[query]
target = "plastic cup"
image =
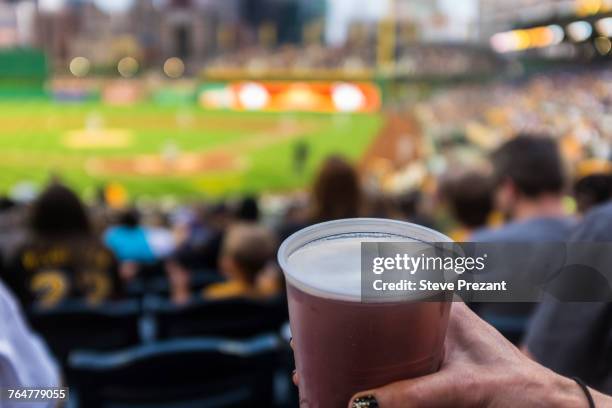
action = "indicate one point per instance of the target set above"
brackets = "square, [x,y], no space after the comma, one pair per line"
[343,345]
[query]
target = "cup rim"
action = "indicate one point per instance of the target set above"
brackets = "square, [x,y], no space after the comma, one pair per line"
[328,229]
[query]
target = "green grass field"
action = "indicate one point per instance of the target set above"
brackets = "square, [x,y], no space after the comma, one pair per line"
[181,151]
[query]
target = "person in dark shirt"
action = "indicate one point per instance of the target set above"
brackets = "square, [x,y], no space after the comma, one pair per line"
[592,190]
[529,182]
[61,258]
[202,247]
[575,338]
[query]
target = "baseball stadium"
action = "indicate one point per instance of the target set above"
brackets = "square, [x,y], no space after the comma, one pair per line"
[178,138]
[190,192]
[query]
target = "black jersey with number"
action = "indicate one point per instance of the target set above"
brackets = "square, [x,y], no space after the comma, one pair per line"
[44,273]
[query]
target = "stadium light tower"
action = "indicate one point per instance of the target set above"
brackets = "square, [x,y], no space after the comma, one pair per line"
[387,29]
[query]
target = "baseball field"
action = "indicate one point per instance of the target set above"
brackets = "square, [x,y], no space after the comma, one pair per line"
[183,151]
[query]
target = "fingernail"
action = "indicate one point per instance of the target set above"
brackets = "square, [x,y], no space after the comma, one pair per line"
[367,401]
[293,372]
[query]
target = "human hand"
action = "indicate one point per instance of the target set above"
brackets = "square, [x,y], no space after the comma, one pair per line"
[480,369]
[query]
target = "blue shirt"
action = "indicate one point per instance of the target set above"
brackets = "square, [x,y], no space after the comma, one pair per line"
[129,244]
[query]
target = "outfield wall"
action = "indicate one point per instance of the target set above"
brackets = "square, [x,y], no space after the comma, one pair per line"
[23,73]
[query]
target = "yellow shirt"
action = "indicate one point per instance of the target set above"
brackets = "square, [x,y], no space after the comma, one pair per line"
[237,288]
[222,290]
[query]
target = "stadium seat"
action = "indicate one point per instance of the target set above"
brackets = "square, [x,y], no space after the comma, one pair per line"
[157,284]
[238,318]
[199,280]
[150,270]
[76,325]
[205,372]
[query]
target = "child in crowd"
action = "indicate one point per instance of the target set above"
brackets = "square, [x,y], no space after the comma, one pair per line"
[246,262]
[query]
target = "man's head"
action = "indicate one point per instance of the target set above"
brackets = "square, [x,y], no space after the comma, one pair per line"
[469,196]
[592,190]
[527,169]
[247,248]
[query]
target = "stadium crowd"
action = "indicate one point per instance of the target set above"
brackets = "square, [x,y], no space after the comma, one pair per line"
[439,60]
[572,106]
[56,250]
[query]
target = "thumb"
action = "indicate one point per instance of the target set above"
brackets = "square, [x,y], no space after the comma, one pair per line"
[436,390]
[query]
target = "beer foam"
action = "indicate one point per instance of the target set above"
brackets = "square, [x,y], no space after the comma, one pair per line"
[332,267]
[325,259]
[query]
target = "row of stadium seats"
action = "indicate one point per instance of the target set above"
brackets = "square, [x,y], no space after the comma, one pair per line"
[152,353]
[182,373]
[159,285]
[75,325]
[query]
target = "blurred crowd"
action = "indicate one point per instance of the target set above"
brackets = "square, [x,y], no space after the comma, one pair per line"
[57,249]
[423,61]
[49,243]
[573,107]
[289,57]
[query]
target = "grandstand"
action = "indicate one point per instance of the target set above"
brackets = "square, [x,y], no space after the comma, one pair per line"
[154,155]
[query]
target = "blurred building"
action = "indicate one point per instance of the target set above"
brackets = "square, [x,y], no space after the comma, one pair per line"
[187,30]
[145,20]
[149,31]
[17,24]
[55,31]
[287,17]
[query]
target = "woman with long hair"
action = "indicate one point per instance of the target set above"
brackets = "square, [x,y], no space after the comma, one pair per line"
[61,257]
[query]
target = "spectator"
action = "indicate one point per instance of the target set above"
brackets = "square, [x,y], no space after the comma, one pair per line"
[24,360]
[470,200]
[574,338]
[528,188]
[159,235]
[248,209]
[202,247]
[592,190]
[128,240]
[410,207]
[336,194]
[246,257]
[12,217]
[61,257]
